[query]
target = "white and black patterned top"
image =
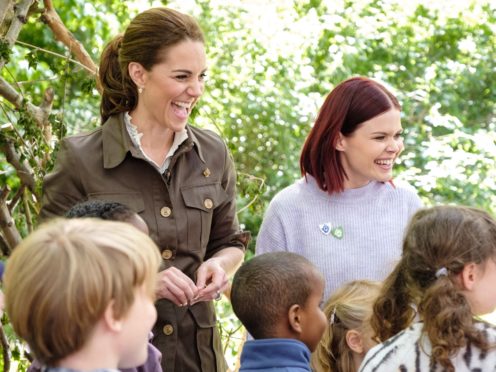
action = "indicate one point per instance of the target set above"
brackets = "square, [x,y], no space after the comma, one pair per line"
[409,351]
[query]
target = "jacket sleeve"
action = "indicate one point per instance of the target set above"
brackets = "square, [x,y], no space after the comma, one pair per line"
[225,231]
[62,187]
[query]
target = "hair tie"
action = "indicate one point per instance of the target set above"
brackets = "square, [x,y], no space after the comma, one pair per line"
[443,271]
[333,316]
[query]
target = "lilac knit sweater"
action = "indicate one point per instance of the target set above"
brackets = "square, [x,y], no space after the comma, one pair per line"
[355,234]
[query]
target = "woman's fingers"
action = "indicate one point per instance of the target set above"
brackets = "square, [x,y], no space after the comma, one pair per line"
[175,286]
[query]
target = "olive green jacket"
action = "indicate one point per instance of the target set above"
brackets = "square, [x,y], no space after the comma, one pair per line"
[190,209]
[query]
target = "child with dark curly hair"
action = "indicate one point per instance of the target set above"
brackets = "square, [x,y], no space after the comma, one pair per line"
[277,297]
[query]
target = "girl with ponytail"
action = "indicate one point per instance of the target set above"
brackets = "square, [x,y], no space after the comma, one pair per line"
[425,313]
[349,335]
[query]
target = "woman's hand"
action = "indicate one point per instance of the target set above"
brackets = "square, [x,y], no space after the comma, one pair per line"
[176,287]
[211,280]
[212,275]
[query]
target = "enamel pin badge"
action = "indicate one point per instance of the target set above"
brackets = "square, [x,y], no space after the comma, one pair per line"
[337,232]
[326,229]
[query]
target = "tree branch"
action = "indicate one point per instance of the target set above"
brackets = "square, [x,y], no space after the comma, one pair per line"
[76,62]
[24,171]
[46,108]
[39,114]
[16,198]
[252,178]
[7,225]
[5,350]
[17,100]
[62,34]
[4,247]
[20,17]
[6,6]
[27,213]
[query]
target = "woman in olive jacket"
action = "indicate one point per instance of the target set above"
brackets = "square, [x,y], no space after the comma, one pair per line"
[180,179]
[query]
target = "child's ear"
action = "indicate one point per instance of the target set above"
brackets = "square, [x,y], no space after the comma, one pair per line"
[294,318]
[469,275]
[110,320]
[341,143]
[354,341]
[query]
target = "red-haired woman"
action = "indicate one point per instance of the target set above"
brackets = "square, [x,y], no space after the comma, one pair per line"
[346,215]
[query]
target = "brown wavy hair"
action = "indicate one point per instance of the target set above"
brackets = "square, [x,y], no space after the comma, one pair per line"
[145,41]
[351,308]
[442,236]
[349,104]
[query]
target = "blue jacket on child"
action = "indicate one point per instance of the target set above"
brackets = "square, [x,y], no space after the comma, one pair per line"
[276,355]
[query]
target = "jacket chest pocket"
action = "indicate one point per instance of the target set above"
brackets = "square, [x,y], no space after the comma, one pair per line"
[201,202]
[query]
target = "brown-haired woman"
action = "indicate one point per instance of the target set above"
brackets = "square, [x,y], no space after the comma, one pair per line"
[426,309]
[180,179]
[346,215]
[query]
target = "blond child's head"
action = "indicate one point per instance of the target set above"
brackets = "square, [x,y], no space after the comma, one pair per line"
[349,335]
[68,275]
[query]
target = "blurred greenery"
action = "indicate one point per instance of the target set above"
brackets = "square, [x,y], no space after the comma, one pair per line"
[270,66]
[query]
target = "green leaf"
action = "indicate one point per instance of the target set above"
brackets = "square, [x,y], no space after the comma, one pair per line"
[32,58]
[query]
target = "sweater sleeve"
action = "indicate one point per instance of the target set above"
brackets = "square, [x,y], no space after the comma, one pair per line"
[414,201]
[410,196]
[272,236]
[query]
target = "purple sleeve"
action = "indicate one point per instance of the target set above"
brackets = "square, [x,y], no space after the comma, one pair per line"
[152,363]
[34,367]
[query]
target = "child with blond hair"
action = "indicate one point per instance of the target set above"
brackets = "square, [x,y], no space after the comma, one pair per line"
[81,294]
[349,336]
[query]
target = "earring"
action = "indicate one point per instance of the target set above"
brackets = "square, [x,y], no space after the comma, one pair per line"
[140,90]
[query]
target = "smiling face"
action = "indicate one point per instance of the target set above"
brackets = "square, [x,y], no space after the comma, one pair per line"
[172,87]
[369,152]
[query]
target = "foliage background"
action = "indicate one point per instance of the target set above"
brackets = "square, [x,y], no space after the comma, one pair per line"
[270,66]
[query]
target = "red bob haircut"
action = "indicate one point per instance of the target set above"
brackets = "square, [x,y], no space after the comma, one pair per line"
[351,103]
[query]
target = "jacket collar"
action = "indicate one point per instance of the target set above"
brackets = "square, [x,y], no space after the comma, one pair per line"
[117,143]
[193,137]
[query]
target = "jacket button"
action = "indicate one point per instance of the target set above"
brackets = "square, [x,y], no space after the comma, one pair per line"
[208,203]
[165,211]
[166,254]
[206,172]
[168,329]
